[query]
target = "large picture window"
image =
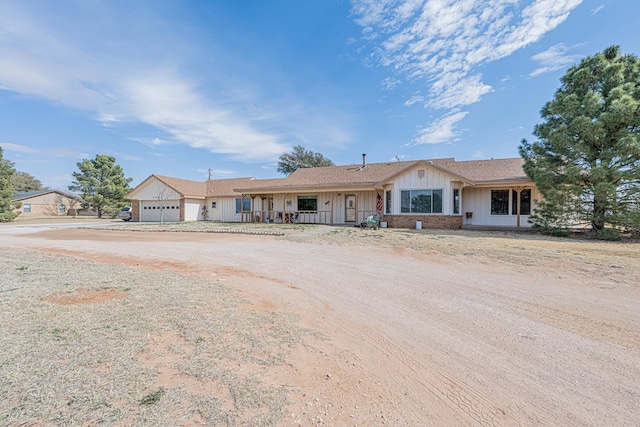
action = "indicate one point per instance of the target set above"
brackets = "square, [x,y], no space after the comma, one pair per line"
[307,203]
[243,205]
[499,202]
[421,201]
[525,202]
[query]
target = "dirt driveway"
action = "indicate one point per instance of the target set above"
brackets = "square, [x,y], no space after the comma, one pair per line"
[418,328]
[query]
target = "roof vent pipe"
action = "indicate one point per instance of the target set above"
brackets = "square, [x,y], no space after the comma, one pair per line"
[364,159]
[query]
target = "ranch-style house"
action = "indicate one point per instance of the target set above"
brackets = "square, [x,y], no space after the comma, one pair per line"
[439,193]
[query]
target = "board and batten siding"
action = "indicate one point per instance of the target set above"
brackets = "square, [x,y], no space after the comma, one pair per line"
[433,179]
[478,202]
[193,209]
[156,190]
[225,210]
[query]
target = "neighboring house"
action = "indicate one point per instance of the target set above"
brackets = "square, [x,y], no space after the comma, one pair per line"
[440,193]
[47,203]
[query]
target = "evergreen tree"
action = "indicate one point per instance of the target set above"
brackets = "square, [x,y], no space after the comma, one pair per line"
[6,190]
[23,181]
[586,161]
[301,158]
[101,184]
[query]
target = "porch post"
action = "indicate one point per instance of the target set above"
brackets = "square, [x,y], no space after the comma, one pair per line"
[333,194]
[253,208]
[518,190]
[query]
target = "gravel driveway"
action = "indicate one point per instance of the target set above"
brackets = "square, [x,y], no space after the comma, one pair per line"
[359,327]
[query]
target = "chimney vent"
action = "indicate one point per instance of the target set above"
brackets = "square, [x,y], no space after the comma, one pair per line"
[364,159]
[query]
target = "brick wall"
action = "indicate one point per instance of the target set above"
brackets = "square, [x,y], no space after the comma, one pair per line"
[428,221]
[135,210]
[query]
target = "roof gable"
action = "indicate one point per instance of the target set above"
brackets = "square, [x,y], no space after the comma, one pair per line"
[184,187]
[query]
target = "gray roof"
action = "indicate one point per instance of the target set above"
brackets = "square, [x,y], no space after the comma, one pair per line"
[33,193]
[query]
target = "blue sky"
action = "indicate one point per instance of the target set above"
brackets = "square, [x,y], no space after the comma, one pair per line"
[177,87]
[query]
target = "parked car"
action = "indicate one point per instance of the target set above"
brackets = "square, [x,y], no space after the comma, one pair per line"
[125,213]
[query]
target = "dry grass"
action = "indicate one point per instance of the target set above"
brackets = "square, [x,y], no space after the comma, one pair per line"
[515,247]
[174,350]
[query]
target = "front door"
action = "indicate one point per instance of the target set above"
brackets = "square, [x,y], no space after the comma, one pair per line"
[350,207]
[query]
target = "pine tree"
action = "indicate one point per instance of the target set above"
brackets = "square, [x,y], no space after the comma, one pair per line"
[101,184]
[7,207]
[586,161]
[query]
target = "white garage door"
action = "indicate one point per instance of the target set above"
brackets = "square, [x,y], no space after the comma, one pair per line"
[150,211]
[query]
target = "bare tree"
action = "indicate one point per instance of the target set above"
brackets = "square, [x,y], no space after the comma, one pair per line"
[162,196]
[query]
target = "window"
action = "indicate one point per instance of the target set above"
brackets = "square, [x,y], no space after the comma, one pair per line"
[214,205]
[62,208]
[421,201]
[27,208]
[243,205]
[525,202]
[499,202]
[387,206]
[456,201]
[420,173]
[307,203]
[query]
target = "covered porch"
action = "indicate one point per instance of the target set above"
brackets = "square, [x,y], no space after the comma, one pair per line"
[319,207]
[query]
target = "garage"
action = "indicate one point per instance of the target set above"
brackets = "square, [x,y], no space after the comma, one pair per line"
[155,211]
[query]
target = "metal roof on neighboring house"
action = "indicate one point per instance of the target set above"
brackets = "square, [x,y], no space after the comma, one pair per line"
[34,193]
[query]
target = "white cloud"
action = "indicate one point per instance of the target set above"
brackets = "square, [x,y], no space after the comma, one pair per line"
[442,43]
[463,92]
[442,130]
[122,84]
[553,59]
[17,148]
[389,83]
[415,98]
[597,9]
[65,152]
[215,173]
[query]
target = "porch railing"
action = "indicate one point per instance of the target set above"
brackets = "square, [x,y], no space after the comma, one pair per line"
[288,217]
[298,217]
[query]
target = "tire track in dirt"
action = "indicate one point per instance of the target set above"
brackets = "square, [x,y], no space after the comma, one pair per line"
[444,386]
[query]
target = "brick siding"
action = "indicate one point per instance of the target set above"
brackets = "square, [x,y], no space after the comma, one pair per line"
[135,210]
[428,221]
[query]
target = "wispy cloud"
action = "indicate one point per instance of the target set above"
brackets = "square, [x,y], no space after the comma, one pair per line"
[443,43]
[553,59]
[415,98]
[17,148]
[65,152]
[150,82]
[215,173]
[441,130]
